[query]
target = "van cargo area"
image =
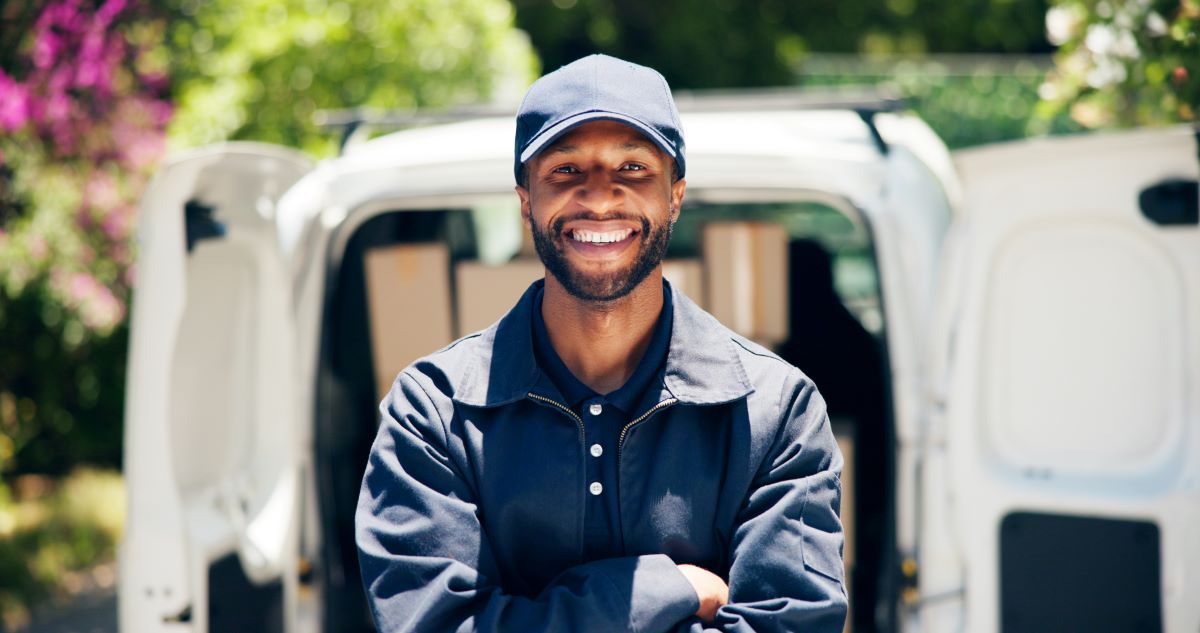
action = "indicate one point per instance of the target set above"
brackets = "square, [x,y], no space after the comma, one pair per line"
[798,276]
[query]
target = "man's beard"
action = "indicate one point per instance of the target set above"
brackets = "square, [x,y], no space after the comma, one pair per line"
[608,286]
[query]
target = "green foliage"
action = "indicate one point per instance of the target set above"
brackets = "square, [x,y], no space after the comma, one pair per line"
[51,532]
[1124,62]
[63,384]
[692,45]
[742,43]
[259,69]
[967,101]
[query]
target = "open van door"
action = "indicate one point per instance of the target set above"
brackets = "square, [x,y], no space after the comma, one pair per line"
[210,428]
[1063,488]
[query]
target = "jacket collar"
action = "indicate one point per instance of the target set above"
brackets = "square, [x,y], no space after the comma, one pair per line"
[702,364]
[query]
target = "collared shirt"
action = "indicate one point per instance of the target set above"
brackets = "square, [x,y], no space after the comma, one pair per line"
[603,418]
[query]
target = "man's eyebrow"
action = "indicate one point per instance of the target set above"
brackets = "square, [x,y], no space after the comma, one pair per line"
[563,148]
[638,145]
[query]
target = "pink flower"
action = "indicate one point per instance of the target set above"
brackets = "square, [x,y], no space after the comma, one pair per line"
[119,252]
[111,9]
[95,303]
[118,223]
[14,103]
[155,82]
[161,111]
[101,192]
[46,48]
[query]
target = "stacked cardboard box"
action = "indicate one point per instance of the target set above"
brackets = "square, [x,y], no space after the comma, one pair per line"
[408,297]
[485,293]
[746,271]
[687,275]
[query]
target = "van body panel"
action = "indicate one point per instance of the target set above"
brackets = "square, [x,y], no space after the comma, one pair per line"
[1066,393]
[210,454]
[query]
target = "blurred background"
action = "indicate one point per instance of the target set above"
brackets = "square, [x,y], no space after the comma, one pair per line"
[95,93]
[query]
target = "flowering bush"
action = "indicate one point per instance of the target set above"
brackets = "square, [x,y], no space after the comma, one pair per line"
[1124,62]
[83,113]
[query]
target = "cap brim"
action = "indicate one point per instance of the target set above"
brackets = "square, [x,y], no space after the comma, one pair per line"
[543,140]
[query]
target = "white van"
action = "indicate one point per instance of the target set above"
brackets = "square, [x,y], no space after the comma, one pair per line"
[1017,357]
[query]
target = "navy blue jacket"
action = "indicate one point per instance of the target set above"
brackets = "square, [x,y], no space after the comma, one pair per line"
[470,516]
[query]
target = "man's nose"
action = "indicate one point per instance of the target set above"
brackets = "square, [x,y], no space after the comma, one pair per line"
[600,192]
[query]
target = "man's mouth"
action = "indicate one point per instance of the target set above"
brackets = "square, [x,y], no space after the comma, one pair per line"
[600,237]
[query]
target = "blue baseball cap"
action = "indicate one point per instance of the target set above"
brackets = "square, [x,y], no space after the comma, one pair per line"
[598,87]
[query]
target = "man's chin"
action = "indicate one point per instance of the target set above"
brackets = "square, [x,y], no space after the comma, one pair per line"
[597,288]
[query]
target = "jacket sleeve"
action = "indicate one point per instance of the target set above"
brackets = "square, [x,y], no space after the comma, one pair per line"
[427,564]
[786,570]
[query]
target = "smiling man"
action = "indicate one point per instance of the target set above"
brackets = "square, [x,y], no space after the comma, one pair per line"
[607,457]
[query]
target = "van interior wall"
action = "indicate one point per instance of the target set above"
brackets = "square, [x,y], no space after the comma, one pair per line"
[825,338]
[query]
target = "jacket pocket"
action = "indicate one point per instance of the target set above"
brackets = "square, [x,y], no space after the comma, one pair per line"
[821,528]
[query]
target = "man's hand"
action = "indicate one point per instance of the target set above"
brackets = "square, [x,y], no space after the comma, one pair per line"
[713,591]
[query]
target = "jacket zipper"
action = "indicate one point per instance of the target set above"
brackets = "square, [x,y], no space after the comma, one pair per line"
[565,409]
[656,408]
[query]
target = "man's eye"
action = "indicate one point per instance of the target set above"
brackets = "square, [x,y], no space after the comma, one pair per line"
[564,169]
[634,167]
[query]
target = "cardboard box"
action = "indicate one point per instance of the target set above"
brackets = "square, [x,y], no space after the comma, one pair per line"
[746,272]
[408,298]
[688,276]
[485,293]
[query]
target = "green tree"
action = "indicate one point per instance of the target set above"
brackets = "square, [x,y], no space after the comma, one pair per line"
[259,69]
[742,43]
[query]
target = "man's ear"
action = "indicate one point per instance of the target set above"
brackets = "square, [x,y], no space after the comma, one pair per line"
[523,196]
[677,189]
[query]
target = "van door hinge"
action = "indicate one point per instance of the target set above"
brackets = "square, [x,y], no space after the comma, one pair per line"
[910,594]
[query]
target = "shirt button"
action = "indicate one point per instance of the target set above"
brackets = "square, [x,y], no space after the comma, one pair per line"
[595,409]
[596,488]
[597,450]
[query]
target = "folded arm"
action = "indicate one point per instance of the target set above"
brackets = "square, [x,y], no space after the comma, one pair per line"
[786,569]
[427,564]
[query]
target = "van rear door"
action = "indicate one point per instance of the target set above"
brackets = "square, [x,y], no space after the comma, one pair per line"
[211,400]
[1063,489]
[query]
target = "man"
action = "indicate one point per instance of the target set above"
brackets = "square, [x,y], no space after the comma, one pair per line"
[607,457]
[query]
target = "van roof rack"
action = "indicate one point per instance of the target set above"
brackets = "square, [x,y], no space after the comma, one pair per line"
[867,101]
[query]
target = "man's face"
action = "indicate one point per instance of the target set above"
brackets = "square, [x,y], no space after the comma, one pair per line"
[600,202]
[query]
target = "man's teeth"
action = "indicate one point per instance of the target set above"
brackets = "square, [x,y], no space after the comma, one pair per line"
[597,237]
